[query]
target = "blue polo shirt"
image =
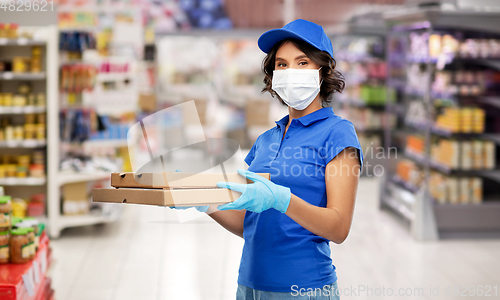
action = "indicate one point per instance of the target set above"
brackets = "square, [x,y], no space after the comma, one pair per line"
[278,252]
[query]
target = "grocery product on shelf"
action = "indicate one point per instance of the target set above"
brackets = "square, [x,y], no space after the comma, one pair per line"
[415,144]
[409,172]
[19,207]
[36,205]
[23,165]
[24,64]
[30,232]
[5,212]
[20,249]
[465,154]
[455,190]
[25,96]
[4,247]
[461,120]
[77,78]
[9,30]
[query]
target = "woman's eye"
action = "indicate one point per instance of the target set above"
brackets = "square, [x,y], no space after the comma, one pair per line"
[281,65]
[303,63]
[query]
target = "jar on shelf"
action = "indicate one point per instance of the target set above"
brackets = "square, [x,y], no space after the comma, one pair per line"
[36,229]
[3,31]
[23,160]
[7,99]
[40,99]
[37,170]
[19,64]
[36,65]
[19,207]
[5,213]
[20,249]
[40,131]
[41,118]
[9,133]
[23,88]
[29,131]
[12,31]
[4,247]
[31,99]
[2,171]
[11,170]
[18,133]
[22,171]
[29,119]
[30,232]
[19,100]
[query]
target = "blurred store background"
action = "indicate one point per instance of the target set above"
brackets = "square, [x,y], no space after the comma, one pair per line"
[422,89]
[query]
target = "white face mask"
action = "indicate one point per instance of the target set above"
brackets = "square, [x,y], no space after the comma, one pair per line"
[297,87]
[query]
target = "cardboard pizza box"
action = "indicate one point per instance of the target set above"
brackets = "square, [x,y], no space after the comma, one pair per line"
[176,180]
[166,197]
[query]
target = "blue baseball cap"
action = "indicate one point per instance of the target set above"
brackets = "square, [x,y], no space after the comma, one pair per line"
[299,29]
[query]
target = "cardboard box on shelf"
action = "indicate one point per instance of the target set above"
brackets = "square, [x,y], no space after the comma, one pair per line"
[75,199]
[147,102]
[176,180]
[257,112]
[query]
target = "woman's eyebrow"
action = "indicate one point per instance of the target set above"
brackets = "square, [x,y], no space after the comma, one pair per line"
[279,58]
[301,57]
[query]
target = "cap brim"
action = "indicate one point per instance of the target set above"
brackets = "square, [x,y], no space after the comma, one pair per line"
[268,39]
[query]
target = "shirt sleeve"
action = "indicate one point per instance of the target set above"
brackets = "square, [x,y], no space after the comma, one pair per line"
[251,154]
[340,136]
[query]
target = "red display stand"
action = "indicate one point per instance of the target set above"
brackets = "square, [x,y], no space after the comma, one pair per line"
[28,281]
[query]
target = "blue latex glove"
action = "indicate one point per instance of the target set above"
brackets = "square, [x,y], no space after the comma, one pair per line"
[262,195]
[203,208]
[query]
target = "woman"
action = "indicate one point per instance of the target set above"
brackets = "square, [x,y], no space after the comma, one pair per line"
[314,158]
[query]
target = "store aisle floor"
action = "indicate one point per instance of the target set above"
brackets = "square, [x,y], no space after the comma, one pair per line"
[148,254]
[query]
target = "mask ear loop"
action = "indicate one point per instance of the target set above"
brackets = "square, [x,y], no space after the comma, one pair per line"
[321,78]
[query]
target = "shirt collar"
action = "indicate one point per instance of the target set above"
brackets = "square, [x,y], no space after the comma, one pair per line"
[311,118]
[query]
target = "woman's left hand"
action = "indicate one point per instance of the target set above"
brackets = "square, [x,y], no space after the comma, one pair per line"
[259,196]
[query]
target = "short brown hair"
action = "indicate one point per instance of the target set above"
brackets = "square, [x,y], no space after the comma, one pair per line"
[333,81]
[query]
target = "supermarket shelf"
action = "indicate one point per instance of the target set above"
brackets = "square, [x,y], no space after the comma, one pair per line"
[22,181]
[419,158]
[72,177]
[479,217]
[490,174]
[9,110]
[368,130]
[398,207]
[23,144]
[21,42]
[408,186]
[361,103]
[114,76]
[493,101]
[493,174]
[21,76]
[448,133]
[418,126]
[67,221]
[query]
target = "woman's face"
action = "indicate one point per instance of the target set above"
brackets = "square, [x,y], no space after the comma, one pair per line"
[289,56]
